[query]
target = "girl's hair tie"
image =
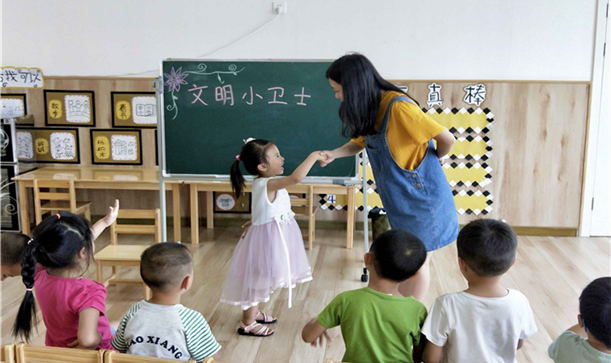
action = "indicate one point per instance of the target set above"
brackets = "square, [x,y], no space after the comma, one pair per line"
[30,290]
[31,240]
[237,157]
[249,140]
[58,216]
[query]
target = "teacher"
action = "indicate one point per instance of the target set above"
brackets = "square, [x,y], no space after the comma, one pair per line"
[398,137]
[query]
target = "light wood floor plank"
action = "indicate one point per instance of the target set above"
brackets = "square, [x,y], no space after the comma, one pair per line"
[551,272]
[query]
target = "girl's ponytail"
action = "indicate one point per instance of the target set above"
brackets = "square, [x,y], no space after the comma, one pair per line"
[26,317]
[237,179]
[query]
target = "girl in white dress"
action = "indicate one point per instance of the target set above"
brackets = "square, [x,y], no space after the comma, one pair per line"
[271,252]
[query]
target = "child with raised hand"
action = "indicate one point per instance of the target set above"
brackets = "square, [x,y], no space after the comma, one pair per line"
[271,254]
[590,340]
[487,322]
[13,244]
[73,308]
[161,327]
[379,324]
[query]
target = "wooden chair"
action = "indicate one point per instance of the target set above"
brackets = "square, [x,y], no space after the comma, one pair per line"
[114,357]
[305,207]
[58,201]
[329,360]
[7,354]
[41,354]
[117,255]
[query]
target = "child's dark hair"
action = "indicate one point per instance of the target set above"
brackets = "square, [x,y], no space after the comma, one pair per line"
[252,154]
[361,84]
[55,243]
[487,246]
[595,309]
[397,254]
[165,265]
[12,246]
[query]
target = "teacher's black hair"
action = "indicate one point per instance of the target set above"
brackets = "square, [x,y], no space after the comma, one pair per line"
[595,309]
[55,243]
[361,85]
[252,154]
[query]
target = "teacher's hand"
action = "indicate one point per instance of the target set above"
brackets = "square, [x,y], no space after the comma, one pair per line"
[329,157]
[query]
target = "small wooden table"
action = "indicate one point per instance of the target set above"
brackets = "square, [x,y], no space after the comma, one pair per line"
[118,178]
[224,186]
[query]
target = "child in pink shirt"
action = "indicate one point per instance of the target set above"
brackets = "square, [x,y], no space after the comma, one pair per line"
[72,307]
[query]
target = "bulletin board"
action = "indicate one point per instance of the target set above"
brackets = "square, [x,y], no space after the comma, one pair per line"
[74,108]
[44,145]
[116,147]
[134,109]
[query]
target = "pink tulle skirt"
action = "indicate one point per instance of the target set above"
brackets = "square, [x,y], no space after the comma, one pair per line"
[263,261]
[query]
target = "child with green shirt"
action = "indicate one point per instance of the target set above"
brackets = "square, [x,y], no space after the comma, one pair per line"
[379,324]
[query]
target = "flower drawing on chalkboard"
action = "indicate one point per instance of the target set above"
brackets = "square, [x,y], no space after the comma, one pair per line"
[175,79]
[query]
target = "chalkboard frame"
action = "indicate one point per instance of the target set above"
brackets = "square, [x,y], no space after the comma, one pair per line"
[350,180]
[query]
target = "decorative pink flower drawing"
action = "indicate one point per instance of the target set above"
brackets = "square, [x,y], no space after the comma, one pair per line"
[175,79]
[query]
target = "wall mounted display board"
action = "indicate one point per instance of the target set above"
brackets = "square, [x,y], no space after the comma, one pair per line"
[134,109]
[116,147]
[74,108]
[44,145]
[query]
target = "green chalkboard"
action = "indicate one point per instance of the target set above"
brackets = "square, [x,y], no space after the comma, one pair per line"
[210,107]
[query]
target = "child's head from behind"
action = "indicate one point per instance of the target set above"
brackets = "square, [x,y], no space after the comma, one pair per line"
[12,246]
[167,266]
[260,158]
[61,241]
[396,255]
[487,247]
[595,310]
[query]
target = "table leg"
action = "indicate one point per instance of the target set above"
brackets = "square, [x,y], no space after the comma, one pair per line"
[176,211]
[210,210]
[24,210]
[351,213]
[194,215]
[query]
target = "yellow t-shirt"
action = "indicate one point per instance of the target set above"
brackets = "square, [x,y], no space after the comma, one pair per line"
[408,132]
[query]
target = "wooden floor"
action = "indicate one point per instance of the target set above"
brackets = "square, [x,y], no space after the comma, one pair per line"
[551,272]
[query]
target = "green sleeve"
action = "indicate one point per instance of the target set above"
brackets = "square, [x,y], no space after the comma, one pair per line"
[331,315]
[200,341]
[118,341]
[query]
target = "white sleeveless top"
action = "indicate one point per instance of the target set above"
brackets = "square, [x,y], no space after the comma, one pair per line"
[262,210]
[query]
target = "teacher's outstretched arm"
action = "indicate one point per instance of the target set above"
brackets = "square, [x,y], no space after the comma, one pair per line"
[445,141]
[348,149]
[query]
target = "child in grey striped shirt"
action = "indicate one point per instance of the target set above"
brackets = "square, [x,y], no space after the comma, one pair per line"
[161,327]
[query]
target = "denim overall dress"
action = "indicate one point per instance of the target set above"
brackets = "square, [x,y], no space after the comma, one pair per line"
[418,200]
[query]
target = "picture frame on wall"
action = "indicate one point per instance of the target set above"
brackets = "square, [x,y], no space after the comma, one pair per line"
[22,99]
[45,145]
[116,147]
[134,109]
[73,108]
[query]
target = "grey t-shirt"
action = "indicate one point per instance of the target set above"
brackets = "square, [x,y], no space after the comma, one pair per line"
[162,331]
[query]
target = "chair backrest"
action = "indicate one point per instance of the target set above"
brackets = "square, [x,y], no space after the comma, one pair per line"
[70,195]
[40,354]
[7,354]
[114,357]
[117,228]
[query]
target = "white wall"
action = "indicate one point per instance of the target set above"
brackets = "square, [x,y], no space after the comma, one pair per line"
[405,39]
